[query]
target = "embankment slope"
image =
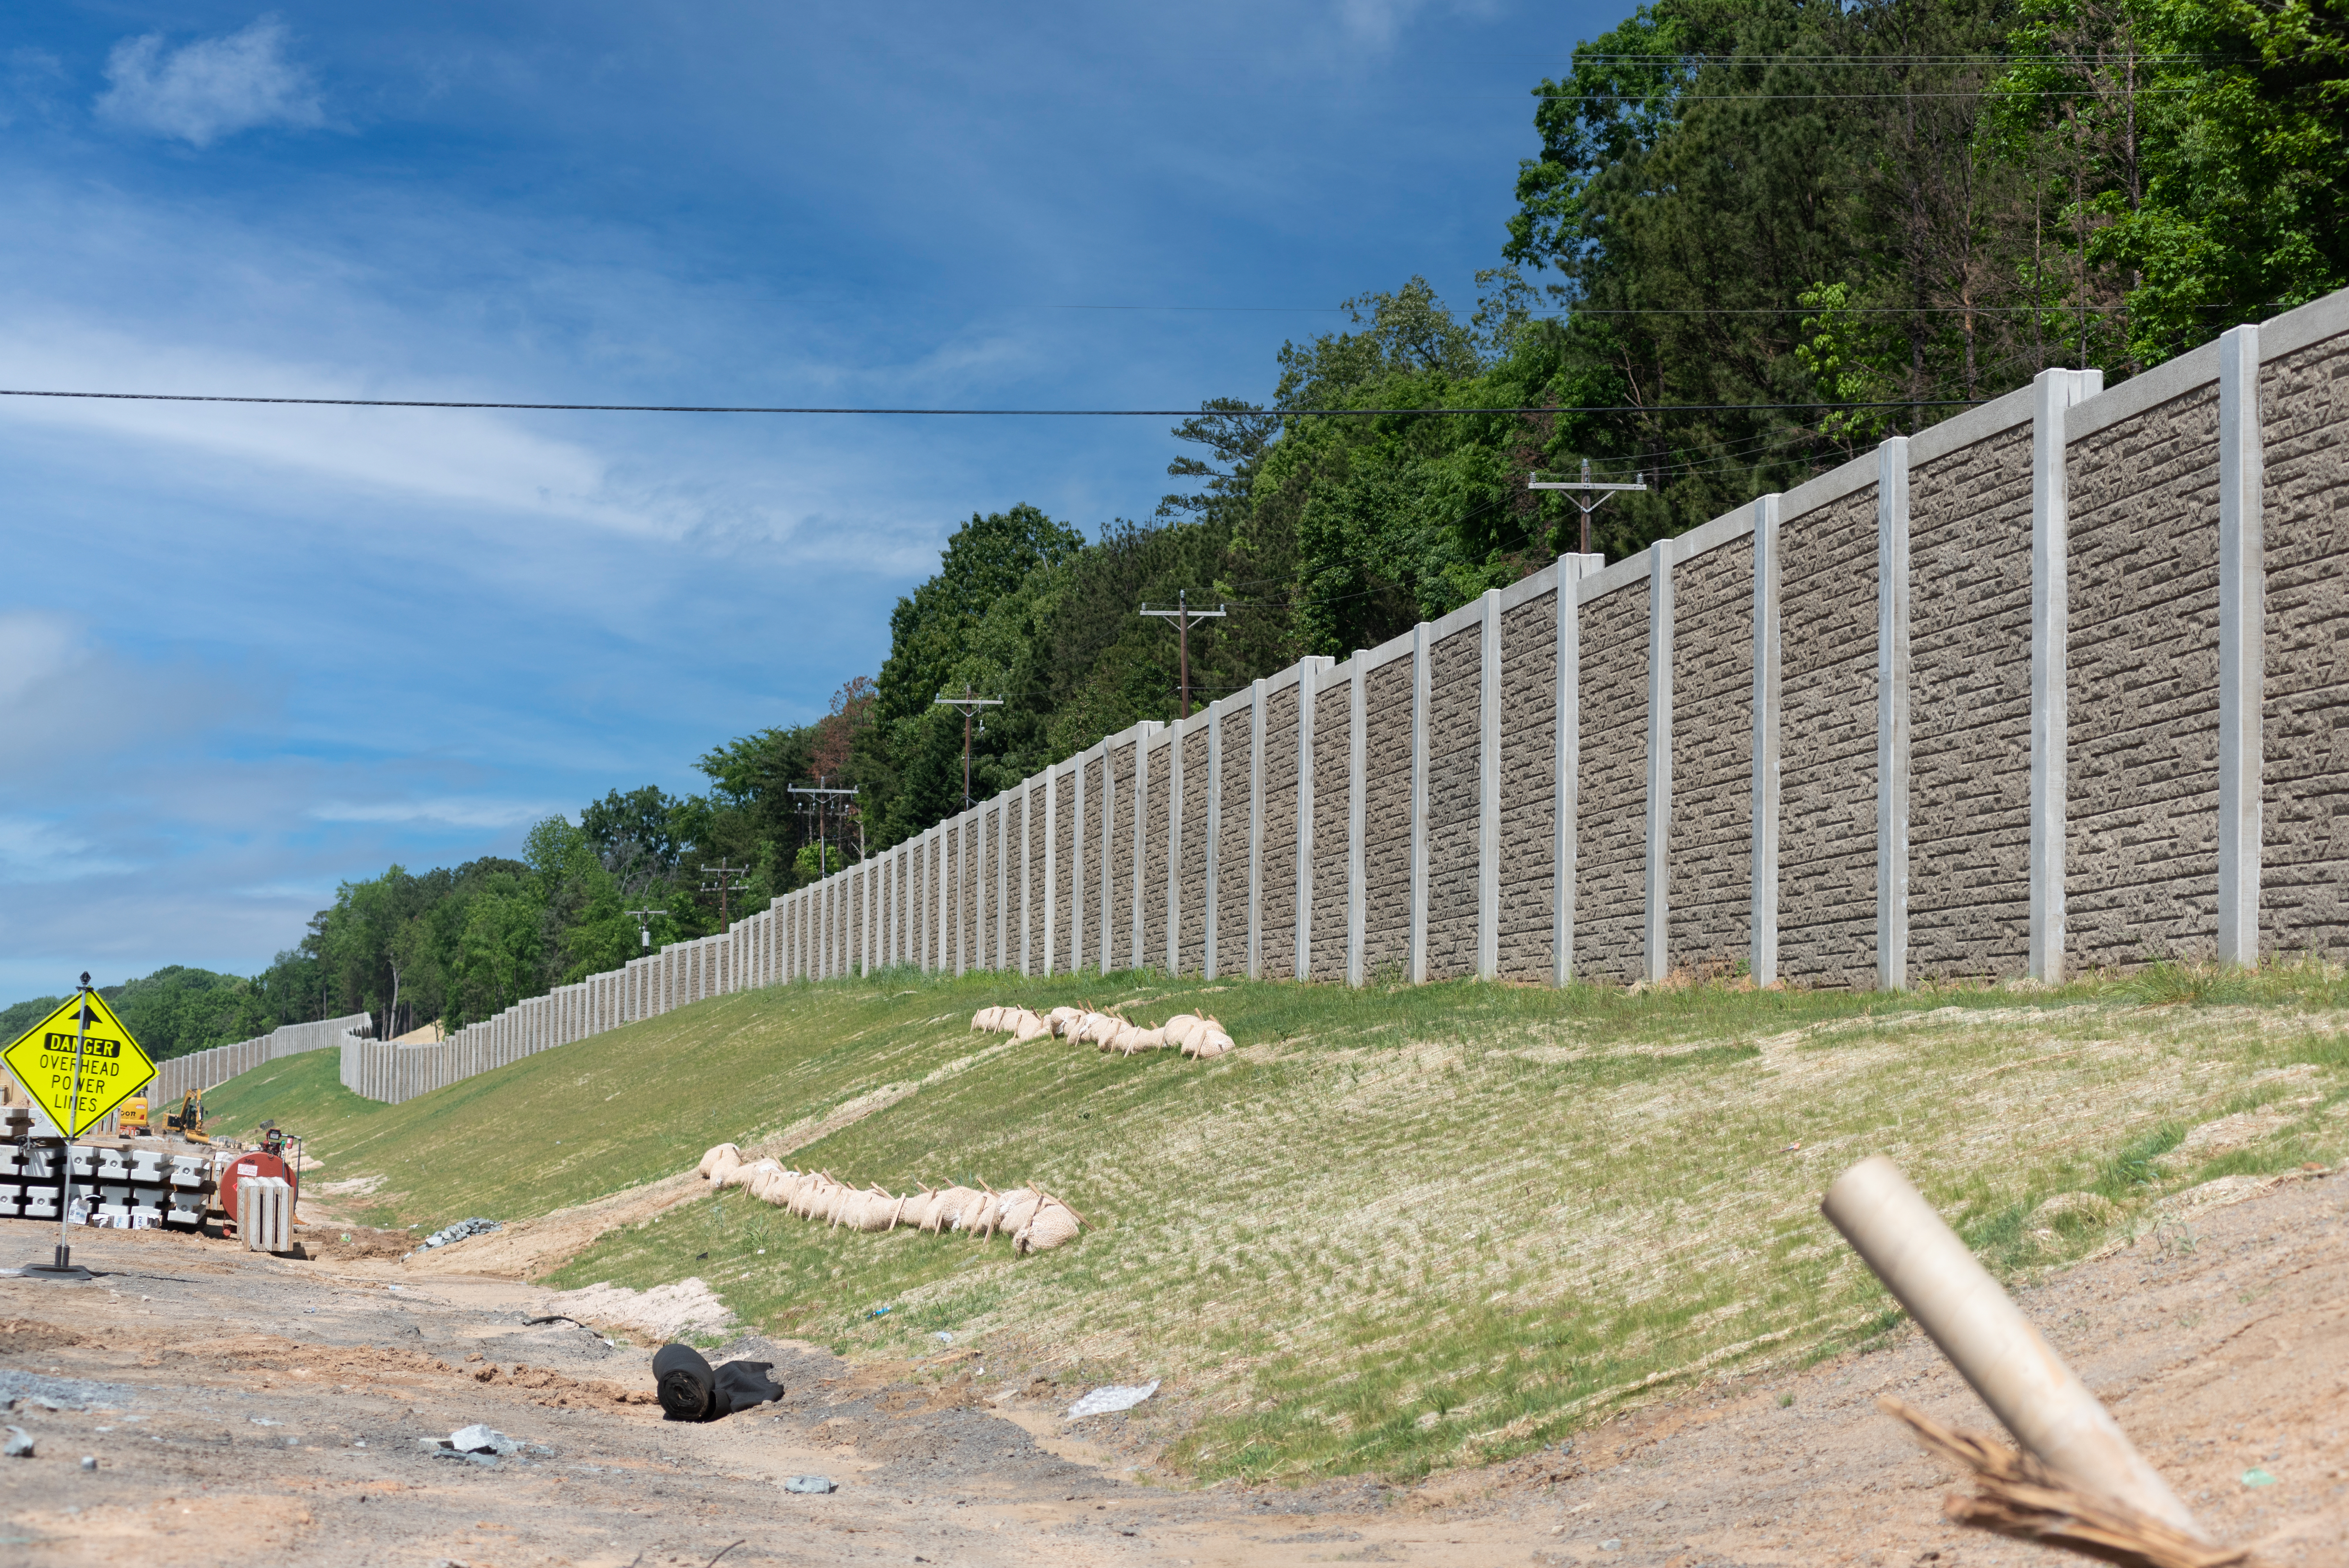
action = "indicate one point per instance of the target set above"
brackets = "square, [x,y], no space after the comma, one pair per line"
[1398,1228]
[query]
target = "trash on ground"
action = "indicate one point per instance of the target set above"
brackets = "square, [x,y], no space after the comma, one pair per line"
[19,1445]
[2255,1476]
[817,1483]
[457,1233]
[89,1461]
[61,1393]
[1101,1401]
[479,1438]
[943,1336]
[690,1389]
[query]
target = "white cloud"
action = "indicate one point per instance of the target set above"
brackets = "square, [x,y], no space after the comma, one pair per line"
[1377,22]
[448,811]
[210,89]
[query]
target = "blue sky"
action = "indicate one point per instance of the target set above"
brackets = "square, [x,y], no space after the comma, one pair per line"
[247,654]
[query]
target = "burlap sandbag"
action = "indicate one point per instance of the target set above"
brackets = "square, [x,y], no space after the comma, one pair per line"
[725,1151]
[1209,1039]
[1027,1025]
[754,1176]
[1178,1029]
[879,1212]
[1064,1019]
[983,1019]
[947,1207]
[921,1207]
[1050,1223]
[1019,1208]
[980,1217]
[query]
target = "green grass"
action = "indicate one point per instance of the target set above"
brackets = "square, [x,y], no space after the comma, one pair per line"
[1403,1227]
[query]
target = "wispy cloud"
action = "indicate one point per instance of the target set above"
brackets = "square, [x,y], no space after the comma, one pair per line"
[454,811]
[210,89]
[1379,22]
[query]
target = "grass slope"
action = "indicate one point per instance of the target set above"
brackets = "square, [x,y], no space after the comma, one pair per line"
[1400,1227]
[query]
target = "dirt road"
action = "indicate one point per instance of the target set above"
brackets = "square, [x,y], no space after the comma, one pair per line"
[243,1407]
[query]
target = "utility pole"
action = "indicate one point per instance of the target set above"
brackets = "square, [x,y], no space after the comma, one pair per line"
[728,878]
[1590,496]
[644,923]
[970,706]
[1182,615]
[816,804]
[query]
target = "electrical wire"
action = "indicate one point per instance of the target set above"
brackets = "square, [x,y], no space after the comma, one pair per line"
[979,413]
[1679,97]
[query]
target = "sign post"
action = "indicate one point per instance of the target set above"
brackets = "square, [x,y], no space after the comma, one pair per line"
[76,1079]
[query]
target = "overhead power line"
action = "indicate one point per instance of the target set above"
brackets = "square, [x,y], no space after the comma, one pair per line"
[1663,59]
[988,413]
[1680,98]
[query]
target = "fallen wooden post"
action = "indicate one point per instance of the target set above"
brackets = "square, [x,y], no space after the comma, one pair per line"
[2026,1385]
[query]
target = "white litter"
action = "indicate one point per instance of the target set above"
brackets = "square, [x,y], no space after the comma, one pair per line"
[1101,1401]
[479,1438]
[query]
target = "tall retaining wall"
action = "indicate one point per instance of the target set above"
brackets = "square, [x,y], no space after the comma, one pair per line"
[200,1070]
[2049,685]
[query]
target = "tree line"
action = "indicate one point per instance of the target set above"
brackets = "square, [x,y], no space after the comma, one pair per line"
[1751,240]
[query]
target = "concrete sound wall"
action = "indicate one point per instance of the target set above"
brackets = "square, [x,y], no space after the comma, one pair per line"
[200,1070]
[2050,685]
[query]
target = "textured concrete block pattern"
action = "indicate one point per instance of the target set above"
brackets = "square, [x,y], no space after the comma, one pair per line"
[1064,873]
[1276,947]
[1333,767]
[1709,857]
[1610,872]
[1191,951]
[1232,847]
[1089,861]
[1454,800]
[1038,847]
[1117,920]
[1970,710]
[2141,844]
[2304,815]
[1386,819]
[1826,774]
[1155,852]
[1528,787]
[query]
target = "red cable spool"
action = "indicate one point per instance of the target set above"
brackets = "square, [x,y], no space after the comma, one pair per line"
[257,1163]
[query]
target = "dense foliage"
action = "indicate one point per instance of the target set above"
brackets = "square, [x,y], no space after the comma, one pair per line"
[1755,237]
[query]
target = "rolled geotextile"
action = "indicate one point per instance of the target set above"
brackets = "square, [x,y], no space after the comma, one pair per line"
[2017,1373]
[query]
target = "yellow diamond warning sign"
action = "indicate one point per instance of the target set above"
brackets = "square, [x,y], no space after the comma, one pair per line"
[112,1066]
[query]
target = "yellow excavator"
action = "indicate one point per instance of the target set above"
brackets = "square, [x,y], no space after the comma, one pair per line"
[187,1121]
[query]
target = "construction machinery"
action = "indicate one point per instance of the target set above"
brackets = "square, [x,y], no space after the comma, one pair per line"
[131,1119]
[187,1121]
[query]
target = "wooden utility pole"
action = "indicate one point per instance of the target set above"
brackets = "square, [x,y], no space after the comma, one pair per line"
[1589,497]
[727,879]
[816,803]
[970,706]
[1182,615]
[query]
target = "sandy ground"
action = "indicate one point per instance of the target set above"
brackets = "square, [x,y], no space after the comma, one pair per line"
[241,1407]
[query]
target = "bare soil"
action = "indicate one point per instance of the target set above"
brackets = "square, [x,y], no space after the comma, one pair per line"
[250,1407]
